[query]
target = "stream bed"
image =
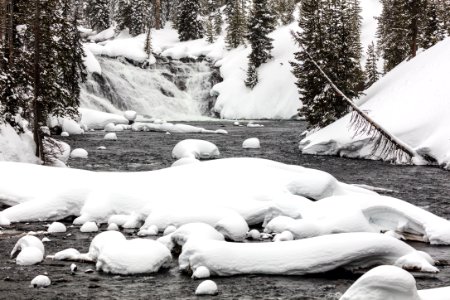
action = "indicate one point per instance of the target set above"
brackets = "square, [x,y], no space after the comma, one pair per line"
[427,187]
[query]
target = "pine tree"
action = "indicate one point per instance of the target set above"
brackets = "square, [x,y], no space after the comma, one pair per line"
[209,28]
[98,14]
[261,23]
[371,69]
[432,30]
[218,22]
[123,15]
[188,23]
[252,76]
[140,14]
[236,30]
[285,10]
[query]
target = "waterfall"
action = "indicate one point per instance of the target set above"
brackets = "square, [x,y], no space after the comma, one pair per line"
[170,89]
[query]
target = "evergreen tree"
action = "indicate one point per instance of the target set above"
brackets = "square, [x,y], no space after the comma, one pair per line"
[236,30]
[140,15]
[188,23]
[261,23]
[284,10]
[218,22]
[433,29]
[123,15]
[371,69]
[98,14]
[209,28]
[252,76]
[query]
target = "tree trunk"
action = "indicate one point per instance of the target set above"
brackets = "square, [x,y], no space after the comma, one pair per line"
[37,105]
[157,14]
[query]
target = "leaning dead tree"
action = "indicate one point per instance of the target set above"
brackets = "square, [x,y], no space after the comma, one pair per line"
[384,144]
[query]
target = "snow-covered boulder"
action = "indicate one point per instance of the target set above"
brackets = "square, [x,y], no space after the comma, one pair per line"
[390,282]
[185,161]
[110,137]
[56,227]
[41,281]
[111,127]
[97,120]
[396,102]
[201,273]
[67,254]
[29,251]
[79,153]
[252,143]
[130,115]
[113,227]
[138,256]
[65,134]
[207,287]
[198,149]
[309,256]
[89,227]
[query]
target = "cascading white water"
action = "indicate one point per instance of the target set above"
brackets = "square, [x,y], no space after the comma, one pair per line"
[171,90]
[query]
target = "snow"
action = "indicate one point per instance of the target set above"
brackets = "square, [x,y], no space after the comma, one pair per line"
[185,161]
[198,149]
[56,227]
[103,240]
[254,234]
[40,281]
[207,287]
[111,127]
[91,63]
[98,120]
[110,136]
[136,256]
[89,227]
[390,282]
[284,236]
[113,227]
[256,188]
[79,153]
[171,128]
[169,229]
[201,273]
[67,254]
[130,115]
[397,103]
[65,134]
[67,125]
[14,147]
[30,251]
[252,143]
[103,35]
[309,256]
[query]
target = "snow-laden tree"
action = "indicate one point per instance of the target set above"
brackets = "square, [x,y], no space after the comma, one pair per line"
[433,29]
[371,67]
[218,22]
[134,15]
[97,13]
[261,23]
[284,10]
[236,30]
[188,20]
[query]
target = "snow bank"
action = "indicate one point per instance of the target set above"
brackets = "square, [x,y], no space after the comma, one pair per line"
[309,256]
[411,102]
[29,251]
[389,282]
[14,147]
[97,120]
[197,149]
[136,256]
[171,128]
[257,187]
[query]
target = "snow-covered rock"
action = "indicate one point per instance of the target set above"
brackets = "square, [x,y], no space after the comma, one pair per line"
[89,227]
[41,281]
[136,256]
[79,153]
[67,254]
[198,149]
[45,239]
[73,268]
[169,229]
[309,256]
[29,251]
[65,134]
[93,119]
[201,273]
[130,115]
[111,127]
[283,237]
[254,234]
[110,136]
[396,102]
[207,287]
[56,227]
[113,227]
[390,282]
[252,143]
[185,161]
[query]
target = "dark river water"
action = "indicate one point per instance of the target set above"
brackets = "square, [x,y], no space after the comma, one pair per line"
[427,187]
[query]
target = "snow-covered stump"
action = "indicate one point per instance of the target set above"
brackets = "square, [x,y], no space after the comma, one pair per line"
[198,149]
[309,256]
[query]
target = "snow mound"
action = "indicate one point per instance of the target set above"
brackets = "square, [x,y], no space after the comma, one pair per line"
[198,149]
[40,281]
[79,153]
[56,227]
[252,143]
[201,273]
[67,254]
[110,137]
[113,227]
[136,256]
[14,147]
[170,128]
[207,287]
[396,102]
[89,227]
[97,120]
[309,256]
[30,251]
[390,282]
[130,115]
[111,127]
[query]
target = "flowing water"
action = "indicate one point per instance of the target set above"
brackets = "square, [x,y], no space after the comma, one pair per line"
[427,187]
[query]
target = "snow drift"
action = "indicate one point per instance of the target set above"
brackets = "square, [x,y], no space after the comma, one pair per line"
[411,102]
